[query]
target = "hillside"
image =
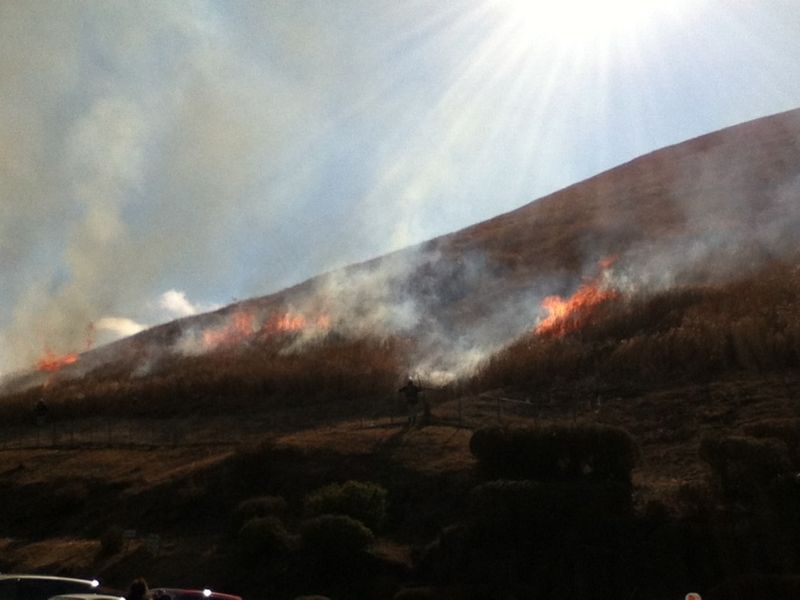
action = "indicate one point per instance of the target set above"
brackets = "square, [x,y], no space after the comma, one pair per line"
[707,211]
[656,304]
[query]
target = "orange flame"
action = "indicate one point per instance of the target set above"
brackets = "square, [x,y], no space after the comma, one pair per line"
[242,327]
[567,315]
[291,322]
[236,331]
[52,363]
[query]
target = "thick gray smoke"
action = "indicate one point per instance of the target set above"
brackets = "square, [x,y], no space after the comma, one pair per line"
[213,150]
[132,137]
[157,158]
[737,194]
[455,309]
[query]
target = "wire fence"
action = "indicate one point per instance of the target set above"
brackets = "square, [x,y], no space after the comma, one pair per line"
[468,412]
[84,433]
[190,430]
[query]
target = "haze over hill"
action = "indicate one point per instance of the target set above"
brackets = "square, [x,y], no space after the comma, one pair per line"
[706,211]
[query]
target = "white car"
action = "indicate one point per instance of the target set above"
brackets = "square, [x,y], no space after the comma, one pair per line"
[87,597]
[43,587]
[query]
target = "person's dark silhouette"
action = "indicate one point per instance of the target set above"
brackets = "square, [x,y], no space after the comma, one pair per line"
[137,590]
[40,412]
[411,391]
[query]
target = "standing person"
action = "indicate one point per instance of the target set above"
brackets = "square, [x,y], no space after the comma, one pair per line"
[137,590]
[411,392]
[40,412]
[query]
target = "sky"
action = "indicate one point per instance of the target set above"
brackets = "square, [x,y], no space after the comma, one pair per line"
[160,159]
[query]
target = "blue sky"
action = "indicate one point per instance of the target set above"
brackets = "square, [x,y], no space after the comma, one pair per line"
[162,158]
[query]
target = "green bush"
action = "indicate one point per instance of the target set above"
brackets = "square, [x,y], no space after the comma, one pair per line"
[518,504]
[335,537]
[262,506]
[527,532]
[556,453]
[364,501]
[264,539]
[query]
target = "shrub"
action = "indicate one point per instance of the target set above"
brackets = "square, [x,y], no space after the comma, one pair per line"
[517,504]
[264,538]
[524,531]
[418,593]
[112,541]
[335,537]
[262,506]
[505,515]
[785,430]
[556,453]
[743,466]
[694,500]
[784,496]
[757,586]
[487,444]
[364,501]
[70,496]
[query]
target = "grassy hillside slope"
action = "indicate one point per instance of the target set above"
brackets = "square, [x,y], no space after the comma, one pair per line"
[694,351]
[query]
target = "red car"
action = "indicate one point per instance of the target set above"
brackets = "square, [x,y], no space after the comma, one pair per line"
[179,594]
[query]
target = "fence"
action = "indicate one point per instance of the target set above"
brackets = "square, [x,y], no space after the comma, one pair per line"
[192,430]
[96,432]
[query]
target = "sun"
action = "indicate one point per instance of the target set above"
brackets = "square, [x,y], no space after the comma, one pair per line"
[582,23]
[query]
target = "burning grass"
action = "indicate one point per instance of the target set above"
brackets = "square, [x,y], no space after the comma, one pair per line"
[570,315]
[680,334]
[252,378]
[52,363]
[602,337]
[597,335]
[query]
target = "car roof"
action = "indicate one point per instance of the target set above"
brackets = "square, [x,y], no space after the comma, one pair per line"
[87,596]
[91,582]
[211,593]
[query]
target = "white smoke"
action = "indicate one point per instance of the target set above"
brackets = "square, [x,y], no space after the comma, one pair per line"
[176,304]
[129,152]
[119,327]
[216,150]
